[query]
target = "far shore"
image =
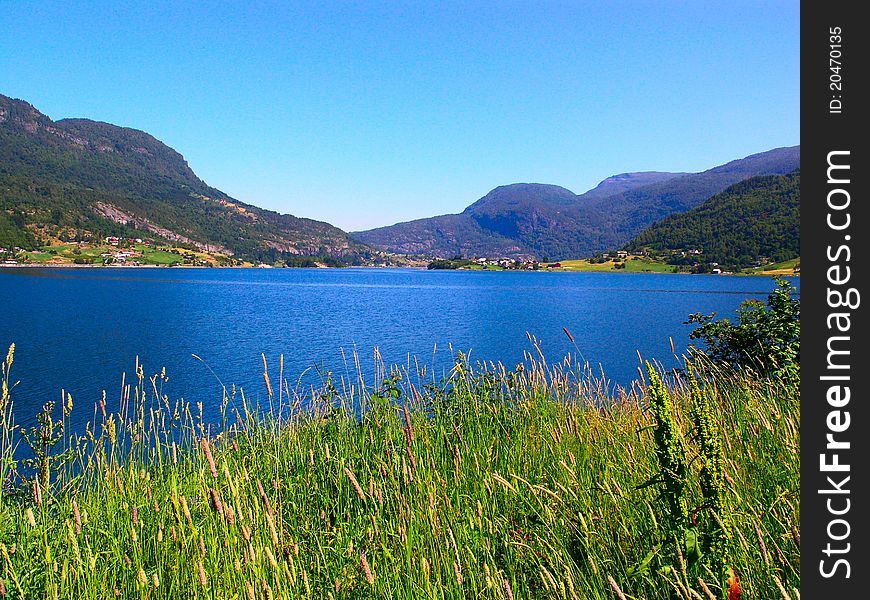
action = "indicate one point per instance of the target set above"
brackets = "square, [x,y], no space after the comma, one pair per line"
[770,273]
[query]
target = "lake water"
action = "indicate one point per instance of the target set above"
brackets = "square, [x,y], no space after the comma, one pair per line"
[80,329]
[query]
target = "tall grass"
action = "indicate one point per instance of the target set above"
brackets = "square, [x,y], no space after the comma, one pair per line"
[491,483]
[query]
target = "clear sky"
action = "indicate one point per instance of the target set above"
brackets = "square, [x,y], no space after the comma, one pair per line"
[368,113]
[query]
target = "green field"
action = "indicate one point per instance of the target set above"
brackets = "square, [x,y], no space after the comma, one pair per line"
[72,253]
[530,482]
[632,265]
[788,267]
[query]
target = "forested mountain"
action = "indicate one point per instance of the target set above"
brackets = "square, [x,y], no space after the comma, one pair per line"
[754,221]
[79,177]
[524,220]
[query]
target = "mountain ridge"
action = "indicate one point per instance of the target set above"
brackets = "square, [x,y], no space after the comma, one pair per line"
[750,223]
[82,175]
[549,221]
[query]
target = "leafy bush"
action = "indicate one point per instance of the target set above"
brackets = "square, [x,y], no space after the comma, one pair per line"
[766,337]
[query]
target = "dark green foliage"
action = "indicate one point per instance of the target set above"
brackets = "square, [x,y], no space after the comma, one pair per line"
[696,531]
[12,231]
[45,442]
[757,219]
[712,482]
[447,264]
[312,261]
[671,456]
[766,337]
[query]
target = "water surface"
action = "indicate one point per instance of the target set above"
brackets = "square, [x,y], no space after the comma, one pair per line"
[80,329]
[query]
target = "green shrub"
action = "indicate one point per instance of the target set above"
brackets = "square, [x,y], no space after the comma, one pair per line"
[765,338]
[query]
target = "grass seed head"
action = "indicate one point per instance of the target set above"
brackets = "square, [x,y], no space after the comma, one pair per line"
[185,509]
[216,503]
[367,570]
[203,580]
[507,589]
[77,517]
[208,456]
[355,483]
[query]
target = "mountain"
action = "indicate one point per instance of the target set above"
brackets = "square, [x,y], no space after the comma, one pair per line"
[528,219]
[624,182]
[632,211]
[752,221]
[88,178]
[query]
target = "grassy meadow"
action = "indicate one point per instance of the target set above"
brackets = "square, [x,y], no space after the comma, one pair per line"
[68,253]
[787,267]
[530,482]
[634,264]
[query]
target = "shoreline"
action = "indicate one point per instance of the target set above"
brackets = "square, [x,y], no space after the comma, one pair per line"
[620,272]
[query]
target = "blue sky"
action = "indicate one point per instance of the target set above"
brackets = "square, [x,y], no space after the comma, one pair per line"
[368,113]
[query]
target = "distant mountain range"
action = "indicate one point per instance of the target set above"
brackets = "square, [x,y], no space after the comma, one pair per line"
[78,175]
[77,178]
[548,221]
[758,218]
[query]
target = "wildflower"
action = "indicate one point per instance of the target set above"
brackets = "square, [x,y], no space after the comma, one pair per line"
[734,591]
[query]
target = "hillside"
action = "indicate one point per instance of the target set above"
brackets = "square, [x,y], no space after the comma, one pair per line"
[82,179]
[548,221]
[752,222]
[624,182]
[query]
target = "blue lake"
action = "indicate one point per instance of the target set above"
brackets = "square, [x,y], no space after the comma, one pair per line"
[80,329]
